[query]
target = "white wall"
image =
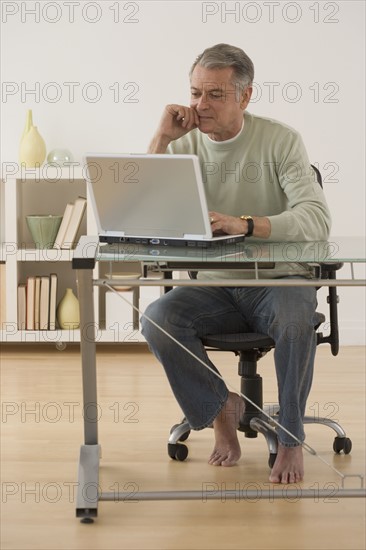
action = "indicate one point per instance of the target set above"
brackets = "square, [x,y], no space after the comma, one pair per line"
[98,74]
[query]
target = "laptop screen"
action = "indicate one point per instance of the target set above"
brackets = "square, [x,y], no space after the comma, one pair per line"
[148,195]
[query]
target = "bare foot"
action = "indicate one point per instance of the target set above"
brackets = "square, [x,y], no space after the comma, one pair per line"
[289,465]
[227,448]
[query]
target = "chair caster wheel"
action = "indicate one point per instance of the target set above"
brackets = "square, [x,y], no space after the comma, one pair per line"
[177,451]
[184,436]
[272,459]
[342,444]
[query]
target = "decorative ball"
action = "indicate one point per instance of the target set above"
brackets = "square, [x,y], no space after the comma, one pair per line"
[60,157]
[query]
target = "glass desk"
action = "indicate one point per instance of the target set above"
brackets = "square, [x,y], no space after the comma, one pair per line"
[251,255]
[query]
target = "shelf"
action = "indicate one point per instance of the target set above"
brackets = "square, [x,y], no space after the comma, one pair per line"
[44,255]
[66,336]
[29,336]
[2,253]
[44,198]
[48,172]
[46,191]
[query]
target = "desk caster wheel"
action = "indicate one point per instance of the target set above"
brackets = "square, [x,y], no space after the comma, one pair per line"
[272,460]
[184,436]
[342,444]
[177,451]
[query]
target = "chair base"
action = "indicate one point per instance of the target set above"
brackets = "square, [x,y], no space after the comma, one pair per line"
[251,347]
[264,425]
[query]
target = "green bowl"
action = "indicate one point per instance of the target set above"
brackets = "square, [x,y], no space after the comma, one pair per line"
[43,229]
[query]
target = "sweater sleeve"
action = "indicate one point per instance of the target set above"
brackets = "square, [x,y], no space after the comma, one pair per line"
[307,217]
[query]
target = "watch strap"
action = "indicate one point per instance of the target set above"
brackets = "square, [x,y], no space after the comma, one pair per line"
[250,223]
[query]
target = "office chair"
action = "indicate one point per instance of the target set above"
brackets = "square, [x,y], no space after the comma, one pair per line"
[250,348]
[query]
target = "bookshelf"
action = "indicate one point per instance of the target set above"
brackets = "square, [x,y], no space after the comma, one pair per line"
[47,191]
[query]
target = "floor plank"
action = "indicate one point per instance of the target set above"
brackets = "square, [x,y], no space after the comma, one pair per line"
[42,429]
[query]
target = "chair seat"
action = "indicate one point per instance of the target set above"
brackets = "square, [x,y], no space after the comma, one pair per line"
[238,341]
[242,341]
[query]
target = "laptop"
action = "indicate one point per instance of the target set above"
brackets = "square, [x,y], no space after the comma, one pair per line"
[151,200]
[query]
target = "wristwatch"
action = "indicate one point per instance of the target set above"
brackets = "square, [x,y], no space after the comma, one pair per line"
[250,223]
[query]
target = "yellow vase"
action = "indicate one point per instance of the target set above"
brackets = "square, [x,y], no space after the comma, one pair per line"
[68,315]
[28,124]
[32,150]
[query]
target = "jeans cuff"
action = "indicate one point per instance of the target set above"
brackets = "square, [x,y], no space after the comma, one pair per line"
[208,423]
[290,444]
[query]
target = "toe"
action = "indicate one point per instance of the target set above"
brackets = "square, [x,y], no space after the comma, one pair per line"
[215,459]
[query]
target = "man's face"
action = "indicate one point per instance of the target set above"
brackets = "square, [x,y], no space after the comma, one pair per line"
[218,101]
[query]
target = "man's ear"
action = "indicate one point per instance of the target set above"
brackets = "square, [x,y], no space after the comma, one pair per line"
[245,97]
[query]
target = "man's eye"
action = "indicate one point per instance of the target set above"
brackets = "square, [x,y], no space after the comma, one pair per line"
[216,95]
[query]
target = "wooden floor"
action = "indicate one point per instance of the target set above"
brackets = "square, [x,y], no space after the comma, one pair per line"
[42,430]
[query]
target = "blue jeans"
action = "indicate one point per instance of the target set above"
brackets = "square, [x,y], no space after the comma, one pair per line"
[286,314]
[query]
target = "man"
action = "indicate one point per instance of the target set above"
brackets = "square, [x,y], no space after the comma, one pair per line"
[259,182]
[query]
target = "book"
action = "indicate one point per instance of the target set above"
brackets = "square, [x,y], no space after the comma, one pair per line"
[22,306]
[73,224]
[63,227]
[53,301]
[37,291]
[30,296]
[44,305]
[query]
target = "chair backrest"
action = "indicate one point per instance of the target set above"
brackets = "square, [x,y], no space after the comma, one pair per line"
[328,271]
[318,175]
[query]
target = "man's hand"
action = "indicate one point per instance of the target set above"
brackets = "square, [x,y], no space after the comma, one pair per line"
[221,223]
[231,225]
[176,121]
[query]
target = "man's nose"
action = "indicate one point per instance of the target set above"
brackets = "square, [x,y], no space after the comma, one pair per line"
[202,102]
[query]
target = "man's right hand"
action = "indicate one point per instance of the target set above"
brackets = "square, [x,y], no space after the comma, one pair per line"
[176,121]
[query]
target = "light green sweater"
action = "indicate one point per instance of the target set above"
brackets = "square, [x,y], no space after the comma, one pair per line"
[263,171]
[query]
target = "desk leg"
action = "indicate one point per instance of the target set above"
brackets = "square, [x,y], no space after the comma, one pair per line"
[135,311]
[88,475]
[88,356]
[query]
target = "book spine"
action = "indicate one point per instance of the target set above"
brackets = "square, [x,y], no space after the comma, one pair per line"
[31,283]
[53,300]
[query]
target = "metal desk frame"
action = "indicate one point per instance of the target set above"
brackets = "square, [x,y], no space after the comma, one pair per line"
[85,257]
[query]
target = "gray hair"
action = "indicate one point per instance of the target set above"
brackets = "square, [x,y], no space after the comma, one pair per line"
[221,56]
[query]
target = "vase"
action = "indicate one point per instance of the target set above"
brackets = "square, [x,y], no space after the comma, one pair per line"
[32,149]
[68,315]
[28,124]
[43,229]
